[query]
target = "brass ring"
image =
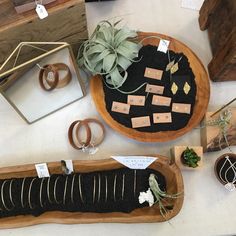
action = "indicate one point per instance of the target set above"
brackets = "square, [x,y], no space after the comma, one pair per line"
[48,189]
[40,192]
[72,189]
[80,189]
[65,188]
[29,194]
[55,189]
[10,193]
[22,193]
[2,196]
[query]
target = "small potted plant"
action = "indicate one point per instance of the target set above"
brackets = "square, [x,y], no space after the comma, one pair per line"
[190,158]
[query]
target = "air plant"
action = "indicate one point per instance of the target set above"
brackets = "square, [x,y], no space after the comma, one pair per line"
[190,158]
[159,195]
[109,52]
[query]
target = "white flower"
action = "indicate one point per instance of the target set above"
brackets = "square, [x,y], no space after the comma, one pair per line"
[146,197]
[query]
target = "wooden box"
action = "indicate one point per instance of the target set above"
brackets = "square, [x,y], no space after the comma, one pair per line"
[27,5]
[66,22]
[177,151]
[211,136]
[219,17]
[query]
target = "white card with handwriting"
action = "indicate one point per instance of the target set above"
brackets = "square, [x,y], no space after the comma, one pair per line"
[135,162]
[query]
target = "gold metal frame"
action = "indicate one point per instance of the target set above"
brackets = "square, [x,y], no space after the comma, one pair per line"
[22,68]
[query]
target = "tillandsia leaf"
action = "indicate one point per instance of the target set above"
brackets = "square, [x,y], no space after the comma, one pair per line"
[109,52]
[109,62]
[123,34]
[160,195]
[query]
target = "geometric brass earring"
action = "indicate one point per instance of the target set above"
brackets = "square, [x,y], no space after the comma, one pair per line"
[186,88]
[174,88]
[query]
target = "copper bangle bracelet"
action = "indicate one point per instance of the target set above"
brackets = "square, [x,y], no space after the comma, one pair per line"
[75,139]
[48,84]
[70,134]
[51,69]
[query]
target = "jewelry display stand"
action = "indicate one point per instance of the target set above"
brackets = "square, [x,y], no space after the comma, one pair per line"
[174,184]
[201,100]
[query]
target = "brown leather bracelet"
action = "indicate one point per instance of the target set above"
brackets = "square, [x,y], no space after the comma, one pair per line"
[62,81]
[87,121]
[53,85]
[79,123]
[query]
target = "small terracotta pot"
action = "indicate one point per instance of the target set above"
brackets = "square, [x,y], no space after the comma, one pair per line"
[218,162]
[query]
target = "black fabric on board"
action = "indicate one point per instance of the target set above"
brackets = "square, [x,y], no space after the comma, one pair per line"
[86,204]
[158,60]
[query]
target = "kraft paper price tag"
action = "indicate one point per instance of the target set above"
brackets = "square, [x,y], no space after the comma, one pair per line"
[162,118]
[142,121]
[136,100]
[153,73]
[42,170]
[181,108]
[120,107]
[163,45]
[154,89]
[41,11]
[135,162]
[161,100]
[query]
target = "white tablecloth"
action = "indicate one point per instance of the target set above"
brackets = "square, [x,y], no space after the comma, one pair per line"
[208,208]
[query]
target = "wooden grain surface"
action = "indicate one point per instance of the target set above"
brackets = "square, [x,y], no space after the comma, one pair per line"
[66,22]
[148,214]
[201,103]
[206,11]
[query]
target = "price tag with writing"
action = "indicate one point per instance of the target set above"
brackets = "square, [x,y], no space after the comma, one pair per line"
[42,170]
[135,162]
[163,45]
[41,11]
[69,165]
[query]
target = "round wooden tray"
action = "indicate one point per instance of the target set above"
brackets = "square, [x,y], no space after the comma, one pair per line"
[201,103]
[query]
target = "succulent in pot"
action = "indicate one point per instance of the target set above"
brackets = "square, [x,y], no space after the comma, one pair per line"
[190,158]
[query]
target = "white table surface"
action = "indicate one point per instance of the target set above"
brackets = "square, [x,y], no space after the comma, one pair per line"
[208,208]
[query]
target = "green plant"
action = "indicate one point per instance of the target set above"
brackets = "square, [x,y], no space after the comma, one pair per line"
[109,52]
[160,196]
[190,158]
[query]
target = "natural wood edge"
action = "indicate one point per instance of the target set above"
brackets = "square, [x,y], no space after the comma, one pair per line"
[140,215]
[203,90]
[208,7]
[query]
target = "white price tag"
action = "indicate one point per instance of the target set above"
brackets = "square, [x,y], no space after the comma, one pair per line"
[163,45]
[69,166]
[41,11]
[230,187]
[42,170]
[135,162]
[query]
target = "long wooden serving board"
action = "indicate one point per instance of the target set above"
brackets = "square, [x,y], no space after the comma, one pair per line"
[171,172]
[201,101]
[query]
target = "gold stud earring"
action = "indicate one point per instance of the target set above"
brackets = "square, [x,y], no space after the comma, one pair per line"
[186,88]
[174,88]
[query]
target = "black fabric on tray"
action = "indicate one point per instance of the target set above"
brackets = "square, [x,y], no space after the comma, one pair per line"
[158,60]
[127,204]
